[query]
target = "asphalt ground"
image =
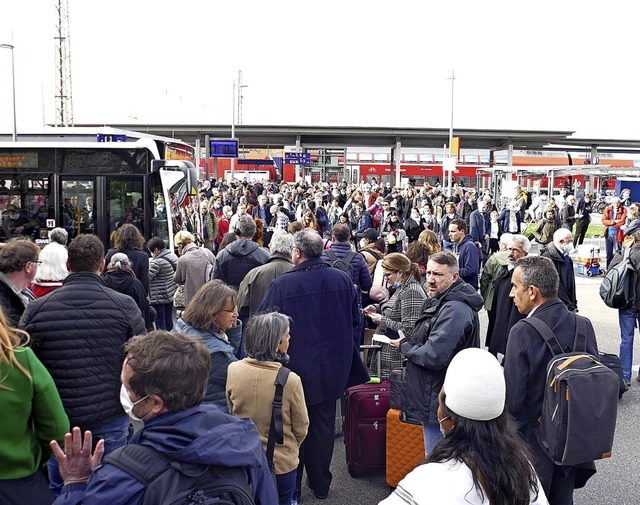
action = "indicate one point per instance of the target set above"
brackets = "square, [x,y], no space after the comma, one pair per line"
[617,480]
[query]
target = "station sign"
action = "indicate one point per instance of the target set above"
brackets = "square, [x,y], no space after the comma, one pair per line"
[298,158]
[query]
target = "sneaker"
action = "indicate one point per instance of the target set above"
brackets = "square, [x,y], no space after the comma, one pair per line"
[628,384]
[638,378]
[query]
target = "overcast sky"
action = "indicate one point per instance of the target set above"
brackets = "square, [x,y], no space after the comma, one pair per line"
[544,65]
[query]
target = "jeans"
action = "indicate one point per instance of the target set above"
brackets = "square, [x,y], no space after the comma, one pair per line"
[114,434]
[286,483]
[611,246]
[627,319]
[432,436]
[164,316]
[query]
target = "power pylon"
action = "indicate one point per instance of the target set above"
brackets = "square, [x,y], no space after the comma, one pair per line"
[63,96]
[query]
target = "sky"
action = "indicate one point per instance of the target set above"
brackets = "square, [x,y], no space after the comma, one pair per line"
[545,65]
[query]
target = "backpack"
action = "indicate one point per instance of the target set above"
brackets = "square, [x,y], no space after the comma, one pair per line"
[617,289]
[343,264]
[579,403]
[170,482]
[527,199]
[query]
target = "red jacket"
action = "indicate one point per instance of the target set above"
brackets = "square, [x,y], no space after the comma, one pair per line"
[620,219]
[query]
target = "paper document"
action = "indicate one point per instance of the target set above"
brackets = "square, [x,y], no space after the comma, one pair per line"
[380,338]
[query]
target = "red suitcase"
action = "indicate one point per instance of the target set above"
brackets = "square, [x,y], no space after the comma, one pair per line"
[365,426]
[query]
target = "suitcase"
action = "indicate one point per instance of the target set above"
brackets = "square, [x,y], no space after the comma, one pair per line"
[365,421]
[612,362]
[405,447]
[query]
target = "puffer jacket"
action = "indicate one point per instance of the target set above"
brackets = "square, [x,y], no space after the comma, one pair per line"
[78,332]
[448,324]
[222,354]
[161,283]
[235,261]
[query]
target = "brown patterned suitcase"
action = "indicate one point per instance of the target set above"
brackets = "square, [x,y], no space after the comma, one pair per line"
[405,447]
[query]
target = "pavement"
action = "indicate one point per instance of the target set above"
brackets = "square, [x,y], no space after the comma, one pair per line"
[617,479]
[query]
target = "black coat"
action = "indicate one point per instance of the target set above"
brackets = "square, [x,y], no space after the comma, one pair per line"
[139,264]
[78,332]
[125,283]
[503,314]
[566,293]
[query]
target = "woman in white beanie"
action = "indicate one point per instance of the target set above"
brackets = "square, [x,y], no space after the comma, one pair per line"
[481,460]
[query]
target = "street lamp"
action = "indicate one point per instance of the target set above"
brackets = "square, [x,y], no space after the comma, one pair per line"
[13,80]
[233,120]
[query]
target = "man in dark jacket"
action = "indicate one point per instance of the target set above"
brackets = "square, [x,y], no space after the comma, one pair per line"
[628,316]
[558,252]
[467,252]
[242,255]
[323,304]
[504,314]
[164,377]
[341,247]
[362,219]
[78,332]
[448,324]
[18,267]
[534,292]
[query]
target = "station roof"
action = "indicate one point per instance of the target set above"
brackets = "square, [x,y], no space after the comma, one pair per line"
[276,137]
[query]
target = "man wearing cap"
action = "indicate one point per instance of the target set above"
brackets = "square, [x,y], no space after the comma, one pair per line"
[535,293]
[15,223]
[448,324]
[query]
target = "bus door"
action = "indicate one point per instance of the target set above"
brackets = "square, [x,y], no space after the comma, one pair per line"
[175,207]
[77,212]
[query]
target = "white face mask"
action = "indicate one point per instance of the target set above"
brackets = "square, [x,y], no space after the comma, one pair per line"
[128,405]
[363,243]
[568,247]
[442,430]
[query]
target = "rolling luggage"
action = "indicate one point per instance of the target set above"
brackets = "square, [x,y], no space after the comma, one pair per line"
[365,422]
[405,447]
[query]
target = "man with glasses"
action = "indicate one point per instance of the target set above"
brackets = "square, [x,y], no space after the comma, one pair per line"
[504,314]
[78,332]
[558,252]
[18,266]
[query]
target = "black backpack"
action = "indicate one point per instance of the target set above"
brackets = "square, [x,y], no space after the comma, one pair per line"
[579,403]
[618,286]
[343,264]
[170,482]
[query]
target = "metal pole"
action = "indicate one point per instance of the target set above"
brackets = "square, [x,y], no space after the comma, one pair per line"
[233,126]
[13,85]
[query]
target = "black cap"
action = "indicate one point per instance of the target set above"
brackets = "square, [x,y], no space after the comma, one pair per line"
[369,233]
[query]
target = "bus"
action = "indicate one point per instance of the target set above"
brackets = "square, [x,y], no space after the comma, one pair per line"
[89,180]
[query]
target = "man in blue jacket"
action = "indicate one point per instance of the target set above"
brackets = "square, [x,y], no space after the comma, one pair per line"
[323,304]
[165,377]
[467,252]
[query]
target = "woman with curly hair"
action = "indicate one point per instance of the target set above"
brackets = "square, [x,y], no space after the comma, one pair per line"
[128,239]
[258,236]
[481,459]
[309,220]
[32,416]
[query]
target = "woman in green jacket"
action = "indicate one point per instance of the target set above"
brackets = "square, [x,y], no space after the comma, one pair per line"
[32,416]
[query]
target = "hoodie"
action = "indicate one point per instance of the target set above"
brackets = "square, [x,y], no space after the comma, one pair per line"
[200,435]
[448,324]
[235,261]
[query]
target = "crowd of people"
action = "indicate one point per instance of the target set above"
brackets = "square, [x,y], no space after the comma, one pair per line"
[133,345]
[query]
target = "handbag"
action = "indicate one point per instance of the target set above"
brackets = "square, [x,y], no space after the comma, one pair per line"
[178,298]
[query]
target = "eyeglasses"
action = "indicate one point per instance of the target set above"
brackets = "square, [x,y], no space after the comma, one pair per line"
[37,262]
[387,274]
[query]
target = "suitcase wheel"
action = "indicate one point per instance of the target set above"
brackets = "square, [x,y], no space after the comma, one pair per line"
[353,472]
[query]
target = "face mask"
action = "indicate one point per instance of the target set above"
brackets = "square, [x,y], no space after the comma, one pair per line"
[415,215]
[15,217]
[160,208]
[396,285]
[442,430]
[568,247]
[128,405]
[362,243]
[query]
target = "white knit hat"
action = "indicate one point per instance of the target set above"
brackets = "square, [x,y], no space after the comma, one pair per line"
[474,385]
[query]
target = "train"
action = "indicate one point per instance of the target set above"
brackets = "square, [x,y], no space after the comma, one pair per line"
[532,168]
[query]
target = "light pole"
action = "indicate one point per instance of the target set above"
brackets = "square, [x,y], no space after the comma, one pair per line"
[238,86]
[13,83]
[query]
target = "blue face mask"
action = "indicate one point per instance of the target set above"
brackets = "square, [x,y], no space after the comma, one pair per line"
[15,216]
[396,285]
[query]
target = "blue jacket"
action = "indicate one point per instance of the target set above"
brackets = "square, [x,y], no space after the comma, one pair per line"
[361,275]
[222,353]
[479,226]
[504,218]
[468,261]
[323,304]
[201,435]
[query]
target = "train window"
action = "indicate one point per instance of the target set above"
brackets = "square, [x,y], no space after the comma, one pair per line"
[352,156]
[426,158]
[464,181]
[384,157]
[419,180]
[484,159]
[410,158]
[365,157]
[471,158]
[438,158]
[433,180]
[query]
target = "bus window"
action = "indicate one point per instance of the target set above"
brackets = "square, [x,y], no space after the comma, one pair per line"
[29,194]
[78,213]
[124,203]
